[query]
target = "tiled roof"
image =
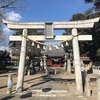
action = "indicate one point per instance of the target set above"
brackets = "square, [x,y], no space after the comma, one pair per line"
[55,52]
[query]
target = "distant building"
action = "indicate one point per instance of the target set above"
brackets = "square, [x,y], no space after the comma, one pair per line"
[55,56]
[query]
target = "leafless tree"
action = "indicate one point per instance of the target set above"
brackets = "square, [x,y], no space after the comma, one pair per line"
[6,3]
[6,6]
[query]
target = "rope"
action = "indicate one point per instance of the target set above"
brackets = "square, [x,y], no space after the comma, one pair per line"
[49,44]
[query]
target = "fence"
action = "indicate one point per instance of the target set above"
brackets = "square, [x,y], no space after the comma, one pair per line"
[96,70]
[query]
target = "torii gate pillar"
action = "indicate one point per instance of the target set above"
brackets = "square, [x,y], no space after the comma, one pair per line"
[77,64]
[20,78]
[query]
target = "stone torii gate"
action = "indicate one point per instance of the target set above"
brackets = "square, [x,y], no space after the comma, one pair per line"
[49,27]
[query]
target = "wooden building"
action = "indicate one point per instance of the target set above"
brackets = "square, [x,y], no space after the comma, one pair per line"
[55,57]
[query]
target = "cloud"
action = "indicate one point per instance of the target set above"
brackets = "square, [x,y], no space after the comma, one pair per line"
[13,16]
[7,31]
[10,16]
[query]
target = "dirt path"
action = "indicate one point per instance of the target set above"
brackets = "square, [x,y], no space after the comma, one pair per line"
[68,80]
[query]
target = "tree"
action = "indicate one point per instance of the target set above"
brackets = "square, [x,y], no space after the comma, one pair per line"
[92,47]
[6,3]
[96,4]
[6,6]
[78,16]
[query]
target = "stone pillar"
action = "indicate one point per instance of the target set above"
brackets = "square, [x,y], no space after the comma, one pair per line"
[87,87]
[45,65]
[65,64]
[20,78]
[98,88]
[69,66]
[76,62]
[10,84]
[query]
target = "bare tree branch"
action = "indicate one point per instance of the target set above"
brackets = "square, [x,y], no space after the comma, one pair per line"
[7,3]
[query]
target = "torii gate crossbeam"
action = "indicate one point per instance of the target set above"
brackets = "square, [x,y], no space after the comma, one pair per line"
[59,38]
[56,25]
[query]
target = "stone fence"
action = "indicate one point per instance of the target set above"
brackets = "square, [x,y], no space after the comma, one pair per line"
[96,70]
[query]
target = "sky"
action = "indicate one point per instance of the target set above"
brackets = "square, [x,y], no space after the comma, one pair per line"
[52,10]
[45,11]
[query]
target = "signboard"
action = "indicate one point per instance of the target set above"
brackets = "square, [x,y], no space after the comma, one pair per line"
[49,30]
